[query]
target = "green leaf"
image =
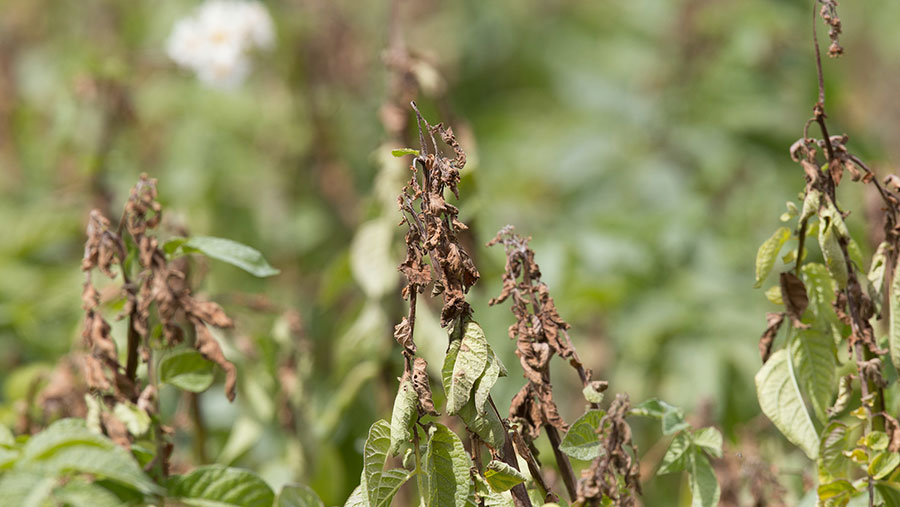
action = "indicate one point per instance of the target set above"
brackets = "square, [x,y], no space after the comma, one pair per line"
[136,420]
[815,362]
[878,268]
[592,395]
[403,417]
[484,384]
[501,476]
[378,484]
[877,440]
[358,497]
[297,495]
[68,446]
[883,463]
[835,489]
[894,330]
[768,252]
[704,486]
[710,440]
[820,288]
[677,455]
[447,467]
[780,399]
[187,369]
[6,437]
[488,427]
[400,152]
[832,462]
[79,493]
[581,441]
[671,417]
[890,492]
[221,486]
[465,362]
[831,250]
[773,294]
[24,488]
[232,252]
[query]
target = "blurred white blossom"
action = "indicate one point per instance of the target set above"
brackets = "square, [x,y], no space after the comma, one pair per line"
[216,39]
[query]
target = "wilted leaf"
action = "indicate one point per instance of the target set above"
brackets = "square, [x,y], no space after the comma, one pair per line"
[465,362]
[894,330]
[232,252]
[677,455]
[581,441]
[136,420]
[447,466]
[768,252]
[780,399]
[831,251]
[218,485]
[488,427]
[501,476]
[793,293]
[773,324]
[186,369]
[704,486]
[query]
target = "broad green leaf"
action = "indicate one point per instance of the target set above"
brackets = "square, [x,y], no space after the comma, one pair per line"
[6,437]
[221,486]
[488,427]
[358,497]
[710,440]
[877,440]
[773,294]
[780,399]
[820,288]
[136,420]
[815,363]
[502,477]
[831,251]
[883,463]
[890,492]
[592,395]
[768,252]
[465,362]
[677,455]
[581,441]
[25,488]
[403,416]
[484,384]
[835,489]
[832,462]
[374,266]
[68,446]
[447,467]
[79,493]
[232,252]
[704,486]
[187,369]
[894,330]
[400,152]
[671,417]
[380,485]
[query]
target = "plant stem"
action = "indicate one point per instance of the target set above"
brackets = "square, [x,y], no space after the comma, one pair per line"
[419,470]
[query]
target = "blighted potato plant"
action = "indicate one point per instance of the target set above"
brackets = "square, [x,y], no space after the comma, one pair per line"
[493,460]
[828,379]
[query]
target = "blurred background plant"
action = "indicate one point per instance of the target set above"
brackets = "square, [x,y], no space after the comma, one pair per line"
[641,144]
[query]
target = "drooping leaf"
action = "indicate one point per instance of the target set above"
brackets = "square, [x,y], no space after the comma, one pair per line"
[187,369]
[878,269]
[502,477]
[218,485]
[447,467]
[677,456]
[378,485]
[232,252]
[831,251]
[768,252]
[298,495]
[25,488]
[403,416]
[671,417]
[793,293]
[488,427]
[484,384]
[710,440]
[581,441]
[704,486]
[465,362]
[832,462]
[815,364]
[780,399]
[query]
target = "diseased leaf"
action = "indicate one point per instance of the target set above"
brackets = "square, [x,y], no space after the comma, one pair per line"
[779,398]
[677,455]
[831,251]
[463,365]
[793,293]
[136,420]
[296,495]
[710,440]
[832,462]
[232,252]
[486,382]
[592,394]
[845,391]
[222,486]
[836,489]
[768,252]
[447,467]
[488,427]
[403,416]
[815,363]
[671,417]
[704,486]
[501,476]
[581,441]
[187,369]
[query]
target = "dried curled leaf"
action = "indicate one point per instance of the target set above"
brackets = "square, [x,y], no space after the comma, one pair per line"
[209,347]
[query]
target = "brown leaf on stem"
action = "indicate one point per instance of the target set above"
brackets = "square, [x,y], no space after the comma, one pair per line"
[422,386]
[774,320]
[793,293]
[209,347]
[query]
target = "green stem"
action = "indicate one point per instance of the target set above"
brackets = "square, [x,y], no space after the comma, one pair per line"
[419,471]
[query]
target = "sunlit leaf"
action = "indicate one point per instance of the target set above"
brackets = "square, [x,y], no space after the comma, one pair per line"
[704,486]
[780,399]
[501,476]
[218,485]
[482,387]
[187,369]
[883,463]
[581,441]
[710,440]
[447,466]
[465,362]
[488,427]
[768,252]
[815,364]
[403,416]
[404,151]
[831,251]
[232,252]
[677,455]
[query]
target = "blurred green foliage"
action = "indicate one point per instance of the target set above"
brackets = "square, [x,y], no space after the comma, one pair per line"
[643,145]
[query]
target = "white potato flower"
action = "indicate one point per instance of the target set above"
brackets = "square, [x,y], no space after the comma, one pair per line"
[216,39]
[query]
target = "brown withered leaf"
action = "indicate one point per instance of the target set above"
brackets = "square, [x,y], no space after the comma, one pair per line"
[793,293]
[403,335]
[115,429]
[836,168]
[774,320]
[422,386]
[893,431]
[812,172]
[209,347]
